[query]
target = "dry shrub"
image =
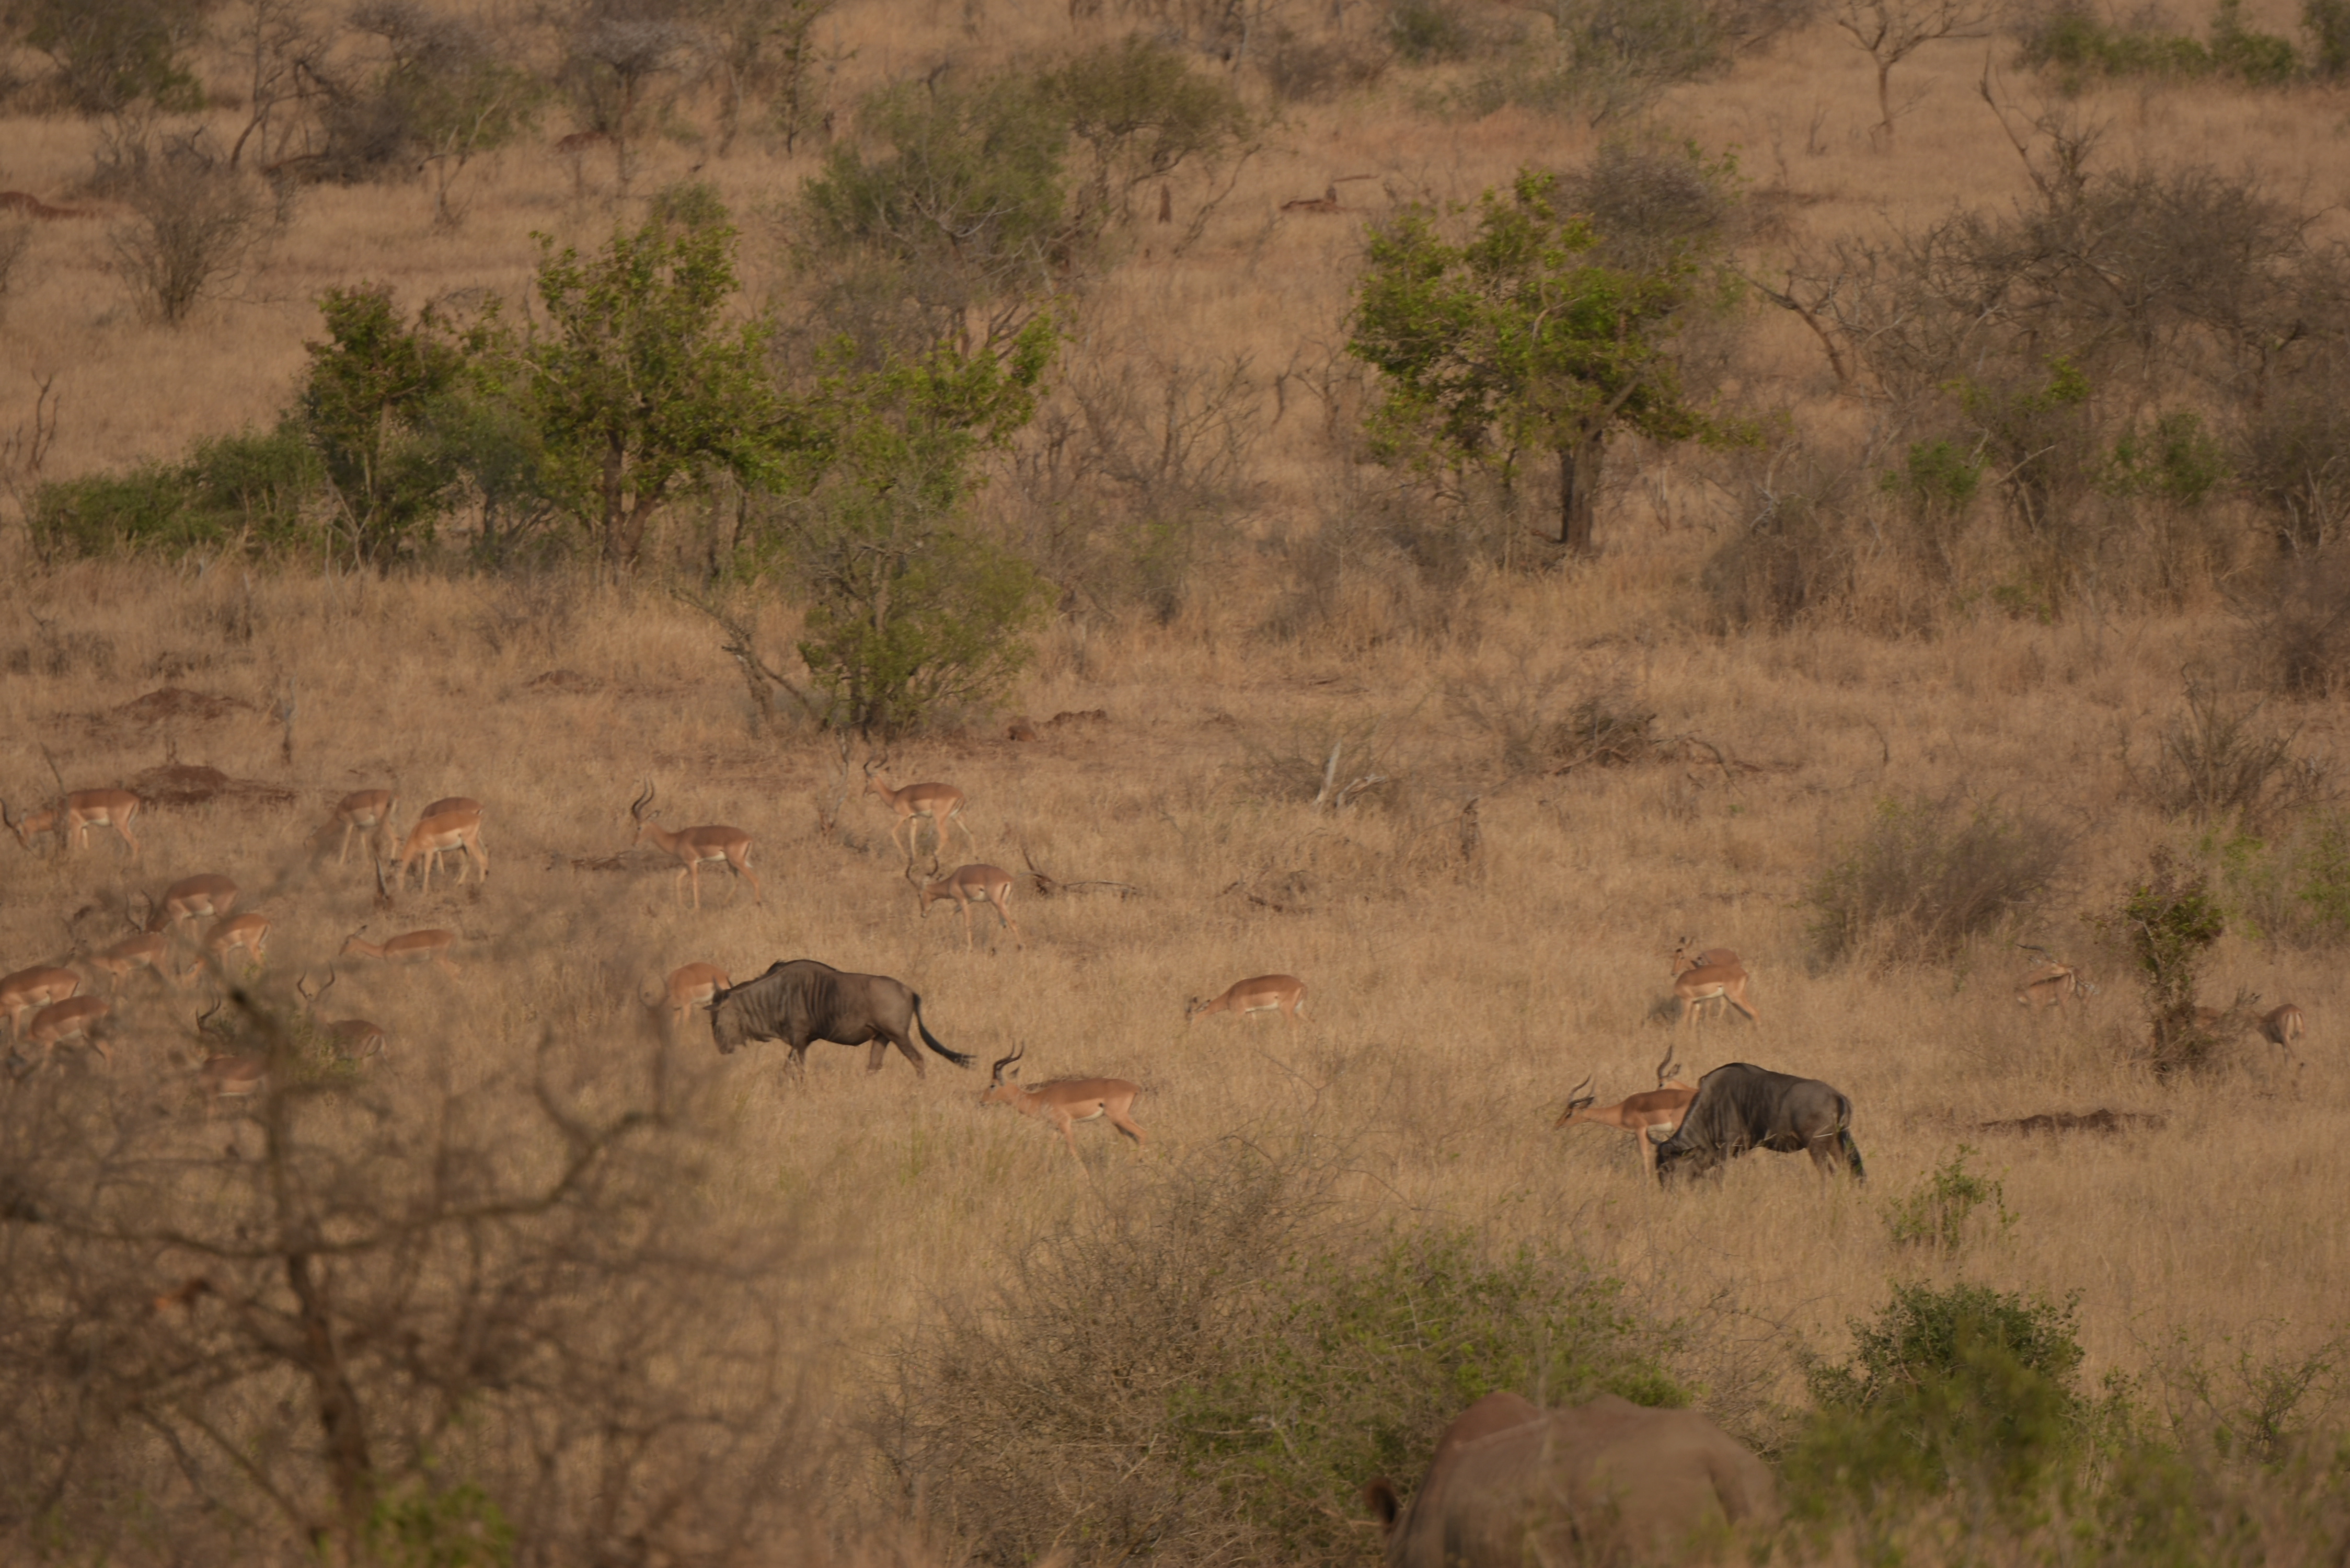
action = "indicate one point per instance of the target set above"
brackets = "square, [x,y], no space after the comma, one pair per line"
[2293,624]
[1928,877]
[1305,69]
[2223,760]
[1793,556]
[1552,721]
[196,221]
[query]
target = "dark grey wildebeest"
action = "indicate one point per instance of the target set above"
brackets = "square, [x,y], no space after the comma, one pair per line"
[1742,1106]
[802,1000]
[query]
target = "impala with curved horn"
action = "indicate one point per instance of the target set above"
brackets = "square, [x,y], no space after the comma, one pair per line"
[695,847]
[1065,1101]
[83,810]
[988,885]
[250,932]
[75,1019]
[29,989]
[351,1039]
[1644,1116]
[429,946]
[940,804]
[1265,993]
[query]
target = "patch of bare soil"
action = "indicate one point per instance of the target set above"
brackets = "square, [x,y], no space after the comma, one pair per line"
[2096,1121]
[182,783]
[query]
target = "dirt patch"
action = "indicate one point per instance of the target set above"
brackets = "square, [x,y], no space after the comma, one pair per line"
[2096,1121]
[175,703]
[1065,719]
[561,682]
[182,785]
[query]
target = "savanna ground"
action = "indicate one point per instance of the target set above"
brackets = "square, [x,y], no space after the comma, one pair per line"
[1459,986]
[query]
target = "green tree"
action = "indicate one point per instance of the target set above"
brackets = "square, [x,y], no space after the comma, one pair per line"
[910,610]
[641,387]
[1521,339]
[376,388]
[2168,924]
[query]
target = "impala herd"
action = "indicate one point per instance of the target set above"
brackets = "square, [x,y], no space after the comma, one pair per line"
[46,1006]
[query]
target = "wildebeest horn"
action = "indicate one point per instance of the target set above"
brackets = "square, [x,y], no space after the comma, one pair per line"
[644,799]
[1576,1099]
[997,1076]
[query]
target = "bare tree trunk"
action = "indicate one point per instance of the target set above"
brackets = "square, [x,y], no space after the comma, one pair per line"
[1578,488]
[1884,98]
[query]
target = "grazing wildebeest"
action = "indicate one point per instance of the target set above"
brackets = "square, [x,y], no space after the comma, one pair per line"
[1742,1106]
[1607,1482]
[802,1000]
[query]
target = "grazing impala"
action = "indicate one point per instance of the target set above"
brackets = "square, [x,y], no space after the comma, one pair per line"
[990,885]
[351,1039]
[694,847]
[367,811]
[691,985]
[431,946]
[148,951]
[1643,1115]
[83,810]
[1694,984]
[250,932]
[1265,993]
[937,803]
[76,1019]
[2280,1027]
[30,989]
[1065,1101]
[436,831]
[211,896]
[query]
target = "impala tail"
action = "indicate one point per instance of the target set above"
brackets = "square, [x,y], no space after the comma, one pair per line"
[930,1040]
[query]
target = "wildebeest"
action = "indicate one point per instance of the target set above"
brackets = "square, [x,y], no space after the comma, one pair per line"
[802,1000]
[1604,1482]
[1742,1106]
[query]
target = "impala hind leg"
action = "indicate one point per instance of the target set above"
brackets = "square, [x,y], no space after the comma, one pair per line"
[1127,1128]
[1013,926]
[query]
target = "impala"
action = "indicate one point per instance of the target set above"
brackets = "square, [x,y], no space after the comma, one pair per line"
[453,803]
[691,985]
[1642,1116]
[438,831]
[1707,957]
[2282,1026]
[430,946]
[990,885]
[937,804]
[694,845]
[83,810]
[1065,1101]
[366,811]
[212,895]
[351,1038]
[148,951]
[29,989]
[250,932]
[1695,984]
[1265,993]
[75,1019]
[233,1077]
[2051,986]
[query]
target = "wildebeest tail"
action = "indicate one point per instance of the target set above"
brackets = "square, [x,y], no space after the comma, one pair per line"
[930,1040]
[1844,1140]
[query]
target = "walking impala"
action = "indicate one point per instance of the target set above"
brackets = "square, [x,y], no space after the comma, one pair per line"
[695,845]
[75,1019]
[2281,1027]
[148,951]
[437,832]
[429,946]
[990,885]
[1065,1101]
[31,989]
[365,811]
[1695,984]
[351,1039]
[937,804]
[691,985]
[1265,993]
[1660,1109]
[82,810]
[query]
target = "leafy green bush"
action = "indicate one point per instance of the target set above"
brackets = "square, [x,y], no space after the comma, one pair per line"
[1926,877]
[2295,888]
[1949,1384]
[251,490]
[2260,59]
[1935,1212]
[2166,925]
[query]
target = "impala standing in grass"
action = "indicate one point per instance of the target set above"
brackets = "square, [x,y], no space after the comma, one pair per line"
[1065,1101]
[147,951]
[2281,1027]
[989,885]
[437,832]
[353,1039]
[1265,993]
[937,804]
[211,896]
[82,810]
[76,1019]
[695,847]
[691,985]
[366,811]
[1695,984]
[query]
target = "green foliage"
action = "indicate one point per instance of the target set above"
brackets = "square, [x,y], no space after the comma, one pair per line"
[113,54]
[641,388]
[1355,1367]
[1136,112]
[252,492]
[910,614]
[1936,484]
[2259,59]
[2293,887]
[456,1527]
[2077,43]
[2166,925]
[375,387]
[1606,60]
[1934,1213]
[1959,1383]
[1926,877]
[2173,460]
[1519,338]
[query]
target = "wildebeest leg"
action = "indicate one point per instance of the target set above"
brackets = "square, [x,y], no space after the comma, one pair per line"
[904,1043]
